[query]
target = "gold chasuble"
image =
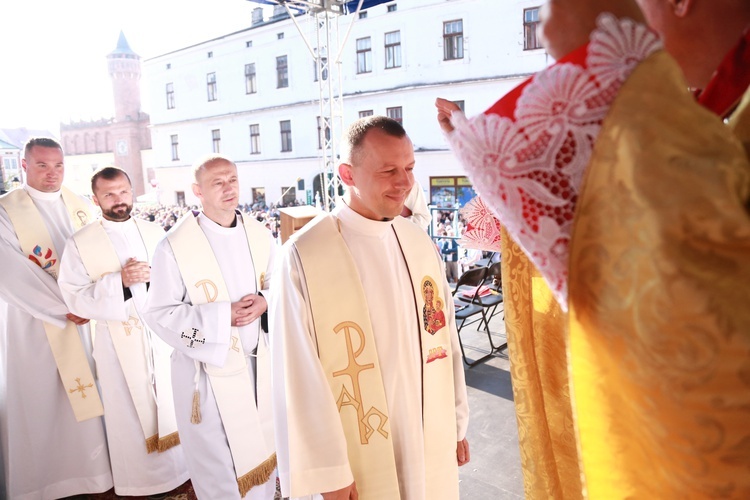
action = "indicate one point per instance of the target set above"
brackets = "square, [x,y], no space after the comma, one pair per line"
[248,425]
[658,296]
[133,343]
[346,347]
[65,343]
[536,328]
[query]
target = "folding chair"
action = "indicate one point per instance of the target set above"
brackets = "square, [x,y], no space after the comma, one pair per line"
[490,303]
[465,311]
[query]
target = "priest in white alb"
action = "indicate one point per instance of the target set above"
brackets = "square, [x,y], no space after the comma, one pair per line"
[206,300]
[104,276]
[369,392]
[52,434]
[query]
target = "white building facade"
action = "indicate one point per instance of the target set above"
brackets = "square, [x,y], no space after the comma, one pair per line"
[253,95]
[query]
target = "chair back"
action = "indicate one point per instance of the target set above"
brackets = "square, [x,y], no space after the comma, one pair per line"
[472,277]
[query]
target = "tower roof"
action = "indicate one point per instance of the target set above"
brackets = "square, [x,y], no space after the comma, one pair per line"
[123,48]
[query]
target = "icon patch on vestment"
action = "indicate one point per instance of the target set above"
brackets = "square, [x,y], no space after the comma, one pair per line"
[432,312]
[192,339]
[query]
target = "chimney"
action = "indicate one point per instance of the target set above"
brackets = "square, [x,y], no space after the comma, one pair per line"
[279,12]
[257,16]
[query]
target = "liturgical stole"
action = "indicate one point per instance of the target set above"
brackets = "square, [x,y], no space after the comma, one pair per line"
[136,347]
[65,343]
[346,347]
[249,428]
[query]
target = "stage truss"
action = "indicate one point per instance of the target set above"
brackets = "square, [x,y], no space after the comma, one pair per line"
[325,42]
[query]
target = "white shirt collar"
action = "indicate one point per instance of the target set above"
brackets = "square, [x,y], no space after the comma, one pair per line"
[39,195]
[358,223]
[117,225]
[210,225]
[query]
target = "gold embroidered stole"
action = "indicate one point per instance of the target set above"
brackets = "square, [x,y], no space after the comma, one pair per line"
[132,340]
[65,343]
[347,352]
[249,428]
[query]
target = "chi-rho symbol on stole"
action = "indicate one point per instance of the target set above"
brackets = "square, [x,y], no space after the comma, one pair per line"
[353,370]
[131,324]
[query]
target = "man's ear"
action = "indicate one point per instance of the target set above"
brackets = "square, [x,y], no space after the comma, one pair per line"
[23,164]
[681,8]
[95,200]
[196,190]
[345,172]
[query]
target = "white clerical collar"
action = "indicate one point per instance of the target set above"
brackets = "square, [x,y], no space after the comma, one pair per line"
[39,195]
[117,225]
[358,223]
[205,222]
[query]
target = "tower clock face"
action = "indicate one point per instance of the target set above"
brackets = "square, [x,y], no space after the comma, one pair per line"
[122,147]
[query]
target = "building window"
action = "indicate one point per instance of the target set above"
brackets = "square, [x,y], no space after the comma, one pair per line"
[170,96]
[393,49]
[169,65]
[530,23]
[395,114]
[392,8]
[211,86]
[323,69]
[282,73]
[288,195]
[286,135]
[327,134]
[363,114]
[364,55]
[460,104]
[450,192]
[279,36]
[216,139]
[210,54]
[363,14]
[175,154]
[254,139]
[453,40]
[250,85]
[249,44]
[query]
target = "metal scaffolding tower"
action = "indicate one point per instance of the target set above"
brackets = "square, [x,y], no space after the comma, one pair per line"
[326,46]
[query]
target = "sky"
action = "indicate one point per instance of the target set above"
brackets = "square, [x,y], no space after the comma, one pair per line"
[53,65]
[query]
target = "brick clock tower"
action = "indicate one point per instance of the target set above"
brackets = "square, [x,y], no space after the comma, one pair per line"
[129,123]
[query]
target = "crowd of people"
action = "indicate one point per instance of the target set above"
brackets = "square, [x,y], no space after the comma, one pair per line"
[333,362]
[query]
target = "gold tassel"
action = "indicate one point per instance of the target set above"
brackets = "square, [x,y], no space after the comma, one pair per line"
[259,475]
[169,441]
[195,418]
[152,444]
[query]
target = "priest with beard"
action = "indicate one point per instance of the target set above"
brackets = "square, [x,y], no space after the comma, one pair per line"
[104,275]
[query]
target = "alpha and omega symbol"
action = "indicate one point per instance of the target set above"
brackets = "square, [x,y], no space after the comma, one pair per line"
[235,347]
[353,370]
[209,288]
[193,338]
[130,324]
[81,388]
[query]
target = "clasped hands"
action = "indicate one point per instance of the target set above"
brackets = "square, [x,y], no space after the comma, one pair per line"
[248,309]
[135,271]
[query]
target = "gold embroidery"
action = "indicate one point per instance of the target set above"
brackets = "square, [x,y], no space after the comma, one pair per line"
[353,370]
[234,344]
[130,324]
[262,281]
[81,388]
[209,288]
